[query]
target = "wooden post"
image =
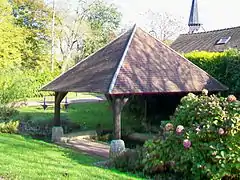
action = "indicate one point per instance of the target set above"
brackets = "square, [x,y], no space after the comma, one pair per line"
[117,117]
[58,98]
[117,104]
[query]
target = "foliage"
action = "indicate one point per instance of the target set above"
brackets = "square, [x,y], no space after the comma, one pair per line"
[9,127]
[6,113]
[11,39]
[103,16]
[42,127]
[38,123]
[23,49]
[21,85]
[13,86]
[90,27]
[201,143]
[25,158]
[223,66]
[35,18]
[129,160]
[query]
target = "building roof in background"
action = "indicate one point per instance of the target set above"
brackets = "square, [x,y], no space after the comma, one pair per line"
[135,63]
[212,41]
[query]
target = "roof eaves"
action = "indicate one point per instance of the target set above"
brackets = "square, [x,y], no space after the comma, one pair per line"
[112,84]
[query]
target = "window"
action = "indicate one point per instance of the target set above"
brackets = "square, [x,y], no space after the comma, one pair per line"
[223,40]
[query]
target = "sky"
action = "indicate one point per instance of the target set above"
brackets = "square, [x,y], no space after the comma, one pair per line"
[213,14]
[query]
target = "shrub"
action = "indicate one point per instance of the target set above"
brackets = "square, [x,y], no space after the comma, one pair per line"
[6,113]
[223,66]
[42,126]
[9,127]
[203,143]
[130,160]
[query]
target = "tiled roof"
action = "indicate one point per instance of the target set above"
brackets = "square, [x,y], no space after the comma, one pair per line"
[94,74]
[206,41]
[134,63]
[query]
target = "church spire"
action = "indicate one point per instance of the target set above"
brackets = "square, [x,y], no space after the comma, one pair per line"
[193,22]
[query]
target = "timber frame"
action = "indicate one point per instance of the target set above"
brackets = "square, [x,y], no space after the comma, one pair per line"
[117,103]
[135,63]
[58,98]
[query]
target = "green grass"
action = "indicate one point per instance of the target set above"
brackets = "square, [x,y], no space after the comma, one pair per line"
[24,158]
[89,114]
[70,95]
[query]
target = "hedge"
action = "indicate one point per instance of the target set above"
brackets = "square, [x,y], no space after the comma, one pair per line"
[224,66]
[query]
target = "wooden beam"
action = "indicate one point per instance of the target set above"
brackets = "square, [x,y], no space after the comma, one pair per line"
[117,117]
[58,98]
[117,104]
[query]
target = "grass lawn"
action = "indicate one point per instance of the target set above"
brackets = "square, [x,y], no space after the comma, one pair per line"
[70,95]
[24,158]
[89,114]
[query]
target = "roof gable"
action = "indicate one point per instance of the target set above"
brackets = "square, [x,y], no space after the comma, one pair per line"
[206,41]
[134,63]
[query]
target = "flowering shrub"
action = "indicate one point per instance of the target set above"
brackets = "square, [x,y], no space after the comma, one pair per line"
[203,143]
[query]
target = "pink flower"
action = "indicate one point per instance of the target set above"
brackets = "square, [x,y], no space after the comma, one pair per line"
[221,131]
[231,98]
[187,144]
[168,127]
[179,129]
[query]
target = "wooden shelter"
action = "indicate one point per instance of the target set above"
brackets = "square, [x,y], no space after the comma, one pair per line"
[134,63]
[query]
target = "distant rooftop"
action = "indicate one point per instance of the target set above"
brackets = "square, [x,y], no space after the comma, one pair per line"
[213,41]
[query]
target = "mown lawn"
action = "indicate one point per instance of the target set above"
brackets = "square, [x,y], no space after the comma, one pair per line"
[87,114]
[70,95]
[25,158]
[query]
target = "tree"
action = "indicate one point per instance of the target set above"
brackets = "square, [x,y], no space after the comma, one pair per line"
[89,28]
[11,39]
[164,26]
[35,17]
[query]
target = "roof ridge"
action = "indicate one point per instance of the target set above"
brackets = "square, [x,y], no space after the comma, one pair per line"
[215,30]
[114,78]
[85,59]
